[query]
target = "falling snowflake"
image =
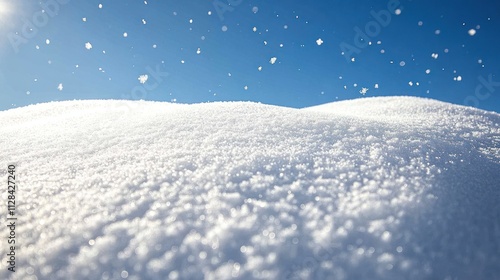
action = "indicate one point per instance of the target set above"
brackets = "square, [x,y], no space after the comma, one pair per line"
[273,60]
[472,32]
[88,45]
[319,42]
[363,91]
[60,87]
[143,79]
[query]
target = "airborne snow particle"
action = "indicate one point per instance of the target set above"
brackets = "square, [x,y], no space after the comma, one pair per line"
[245,87]
[125,34]
[428,71]
[198,51]
[402,63]
[319,42]
[437,32]
[254,29]
[472,32]
[143,79]
[209,13]
[84,19]
[363,91]
[255,9]
[88,45]
[60,87]
[144,21]
[397,12]
[100,6]
[260,68]
[224,28]
[191,21]
[273,60]
[420,23]
[47,41]
[376,85]
[435,55]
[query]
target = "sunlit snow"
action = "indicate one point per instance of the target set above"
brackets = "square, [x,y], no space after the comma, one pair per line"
[376,188]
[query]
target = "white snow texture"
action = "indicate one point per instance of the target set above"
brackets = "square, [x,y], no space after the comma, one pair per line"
[375,188]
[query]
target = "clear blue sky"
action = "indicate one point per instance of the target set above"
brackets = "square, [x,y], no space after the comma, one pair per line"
[197,51]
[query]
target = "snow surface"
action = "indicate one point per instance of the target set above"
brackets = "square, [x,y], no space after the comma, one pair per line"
[376,188]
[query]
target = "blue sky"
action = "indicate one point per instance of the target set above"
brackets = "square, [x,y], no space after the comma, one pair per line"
[198,51]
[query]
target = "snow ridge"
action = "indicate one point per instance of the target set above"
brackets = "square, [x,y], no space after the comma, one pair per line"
[377,188]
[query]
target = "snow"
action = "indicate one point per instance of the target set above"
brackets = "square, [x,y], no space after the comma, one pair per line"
[375,188]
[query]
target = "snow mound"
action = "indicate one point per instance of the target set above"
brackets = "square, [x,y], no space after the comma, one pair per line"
[379,188]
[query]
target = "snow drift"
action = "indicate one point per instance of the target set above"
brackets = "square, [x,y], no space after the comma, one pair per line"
[376,188]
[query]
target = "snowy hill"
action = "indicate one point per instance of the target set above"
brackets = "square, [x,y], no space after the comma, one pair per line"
[379,188]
